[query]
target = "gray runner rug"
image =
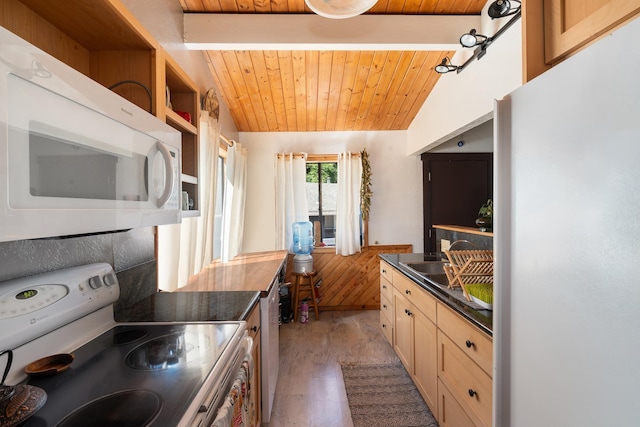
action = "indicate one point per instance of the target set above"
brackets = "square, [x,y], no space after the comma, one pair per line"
[383,395]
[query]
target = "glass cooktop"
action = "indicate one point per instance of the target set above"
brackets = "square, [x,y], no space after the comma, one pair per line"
[134,375]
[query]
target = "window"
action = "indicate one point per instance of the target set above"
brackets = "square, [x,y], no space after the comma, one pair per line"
[322,190]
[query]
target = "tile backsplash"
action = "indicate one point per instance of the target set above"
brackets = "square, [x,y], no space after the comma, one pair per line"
[480,241]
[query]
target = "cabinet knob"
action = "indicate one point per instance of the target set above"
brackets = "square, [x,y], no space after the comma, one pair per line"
[202,409]
[472,392]
[384,286]
[384,305]
[254,329]
[384,326]
[408,312]
[407,291]
[470,344]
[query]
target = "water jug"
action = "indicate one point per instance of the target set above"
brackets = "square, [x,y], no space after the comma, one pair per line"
[302,238]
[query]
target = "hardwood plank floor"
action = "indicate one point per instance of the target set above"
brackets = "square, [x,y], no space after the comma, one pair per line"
[310,390]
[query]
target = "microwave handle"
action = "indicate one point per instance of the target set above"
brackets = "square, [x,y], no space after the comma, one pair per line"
[168,168]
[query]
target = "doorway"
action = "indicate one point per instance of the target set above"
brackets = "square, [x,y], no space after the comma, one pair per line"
[455,186]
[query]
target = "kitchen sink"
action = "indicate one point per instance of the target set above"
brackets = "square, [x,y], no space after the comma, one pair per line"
[433,273]
[426,267]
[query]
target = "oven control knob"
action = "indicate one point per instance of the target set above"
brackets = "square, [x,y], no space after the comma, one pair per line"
[95,282]
[110,279]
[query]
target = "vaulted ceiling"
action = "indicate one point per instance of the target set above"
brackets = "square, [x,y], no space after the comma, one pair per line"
[339,77]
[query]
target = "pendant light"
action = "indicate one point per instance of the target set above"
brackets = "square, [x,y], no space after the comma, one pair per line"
[340,9]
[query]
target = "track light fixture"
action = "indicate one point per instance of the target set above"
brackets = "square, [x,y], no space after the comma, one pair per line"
[497,9]
[502,8]
[472,39]
[444,68]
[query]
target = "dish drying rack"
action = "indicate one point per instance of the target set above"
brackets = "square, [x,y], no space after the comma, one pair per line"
[468,266]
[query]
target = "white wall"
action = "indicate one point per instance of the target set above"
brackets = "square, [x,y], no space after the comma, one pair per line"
[476,140]
[396,205]
[460,102]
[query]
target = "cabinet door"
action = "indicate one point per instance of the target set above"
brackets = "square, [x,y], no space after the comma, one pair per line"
[450,413]
[571,24]
[425,360]
[403,333]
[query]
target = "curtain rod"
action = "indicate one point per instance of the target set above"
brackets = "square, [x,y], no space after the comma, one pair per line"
[228,141]
[317,157]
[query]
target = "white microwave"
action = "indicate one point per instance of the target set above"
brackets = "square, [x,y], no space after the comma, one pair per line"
[76,158]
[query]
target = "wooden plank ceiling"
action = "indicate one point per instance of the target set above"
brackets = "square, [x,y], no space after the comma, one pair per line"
[289,91]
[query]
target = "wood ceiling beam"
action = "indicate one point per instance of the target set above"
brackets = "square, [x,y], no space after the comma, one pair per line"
[223,31]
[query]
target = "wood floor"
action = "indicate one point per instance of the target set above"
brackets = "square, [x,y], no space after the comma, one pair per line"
[310,390]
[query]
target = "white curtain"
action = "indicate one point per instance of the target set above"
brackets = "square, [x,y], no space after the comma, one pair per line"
[234,202]
[183,249]
[291,196]
[348,204]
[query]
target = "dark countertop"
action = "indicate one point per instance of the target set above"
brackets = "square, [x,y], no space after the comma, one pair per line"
[481,318]
[191,307]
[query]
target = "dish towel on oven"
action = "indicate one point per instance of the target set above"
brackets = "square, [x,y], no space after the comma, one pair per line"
[234,412]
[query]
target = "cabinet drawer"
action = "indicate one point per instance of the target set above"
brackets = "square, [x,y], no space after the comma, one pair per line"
[253,322]
[386,289]
[474,343]
[468,384]
[386,308]
[419,297]
[450,413]
[385,271]
[387,327]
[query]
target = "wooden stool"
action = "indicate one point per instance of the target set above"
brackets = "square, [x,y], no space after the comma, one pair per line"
[299,282]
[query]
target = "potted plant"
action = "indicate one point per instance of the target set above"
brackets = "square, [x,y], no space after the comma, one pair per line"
[485,216]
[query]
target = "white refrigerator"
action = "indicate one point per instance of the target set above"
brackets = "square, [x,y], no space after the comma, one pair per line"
[567,242]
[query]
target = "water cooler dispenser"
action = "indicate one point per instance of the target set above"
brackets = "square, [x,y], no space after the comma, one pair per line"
[302,247]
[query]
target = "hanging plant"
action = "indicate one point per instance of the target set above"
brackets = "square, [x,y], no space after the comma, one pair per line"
[365,188]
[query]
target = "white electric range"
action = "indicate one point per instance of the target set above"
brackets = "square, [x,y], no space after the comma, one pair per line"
[122,374]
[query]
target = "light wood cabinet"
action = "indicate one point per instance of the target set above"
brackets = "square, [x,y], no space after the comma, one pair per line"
[253,326]
[425,364]
[415,337]
[468,384]
[386,301]
[555,29]
[450,413]
[448,358]
[465,366]
[476,345]
[570,25]
[385,271]
[105,42]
